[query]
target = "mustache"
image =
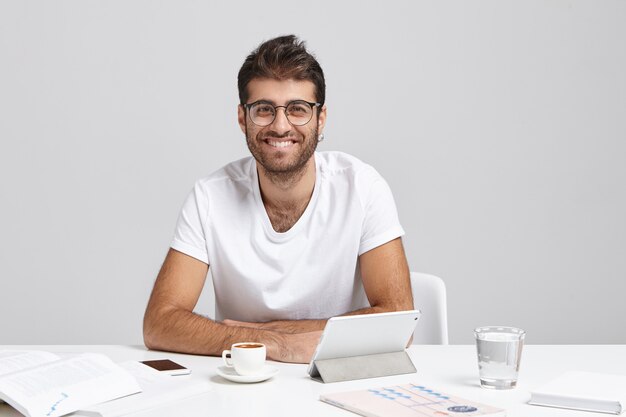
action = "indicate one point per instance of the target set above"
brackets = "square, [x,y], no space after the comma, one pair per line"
[275,135]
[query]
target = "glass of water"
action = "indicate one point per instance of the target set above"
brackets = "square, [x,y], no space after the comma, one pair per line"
[499,351]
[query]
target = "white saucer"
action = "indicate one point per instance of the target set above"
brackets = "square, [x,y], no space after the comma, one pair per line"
[229,373]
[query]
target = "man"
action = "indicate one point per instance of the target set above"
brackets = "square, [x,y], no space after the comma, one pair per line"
[292,236]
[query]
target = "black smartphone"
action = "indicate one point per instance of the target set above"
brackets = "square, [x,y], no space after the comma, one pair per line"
[167,366]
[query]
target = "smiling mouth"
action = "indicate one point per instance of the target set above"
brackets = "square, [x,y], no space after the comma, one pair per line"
[279,143]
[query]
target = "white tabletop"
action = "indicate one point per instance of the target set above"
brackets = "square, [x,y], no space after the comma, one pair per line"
[450,369]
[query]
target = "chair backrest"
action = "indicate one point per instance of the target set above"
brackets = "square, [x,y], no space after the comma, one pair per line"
[429,296]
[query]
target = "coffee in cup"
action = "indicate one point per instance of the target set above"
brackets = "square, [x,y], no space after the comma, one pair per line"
[248,358]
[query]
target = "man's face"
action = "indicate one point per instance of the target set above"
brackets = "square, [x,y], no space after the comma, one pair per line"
[281,147]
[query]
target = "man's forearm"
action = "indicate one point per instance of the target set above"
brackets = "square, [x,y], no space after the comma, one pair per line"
[287,326]
[183,331]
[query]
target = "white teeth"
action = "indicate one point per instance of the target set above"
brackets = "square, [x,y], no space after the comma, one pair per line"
[280,144]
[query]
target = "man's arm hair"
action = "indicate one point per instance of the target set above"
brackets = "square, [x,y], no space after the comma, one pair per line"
[171,325]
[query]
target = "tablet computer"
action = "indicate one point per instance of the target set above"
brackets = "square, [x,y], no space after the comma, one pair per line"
[365,334]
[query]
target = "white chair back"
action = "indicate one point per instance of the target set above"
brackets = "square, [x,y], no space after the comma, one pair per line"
[429,296]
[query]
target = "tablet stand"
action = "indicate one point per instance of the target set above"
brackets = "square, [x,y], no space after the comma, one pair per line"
[361,367]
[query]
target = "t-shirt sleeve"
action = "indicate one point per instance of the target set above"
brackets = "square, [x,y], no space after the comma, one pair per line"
[380,221]
[190,233]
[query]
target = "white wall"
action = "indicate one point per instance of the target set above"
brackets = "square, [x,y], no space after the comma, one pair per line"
[499,125]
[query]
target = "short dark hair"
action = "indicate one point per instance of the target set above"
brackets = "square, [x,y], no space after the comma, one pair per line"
[281,58]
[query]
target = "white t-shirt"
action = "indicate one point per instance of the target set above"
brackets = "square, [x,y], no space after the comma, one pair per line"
[310,271]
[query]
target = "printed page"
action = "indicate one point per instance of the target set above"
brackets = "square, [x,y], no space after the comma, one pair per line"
[63,386]
[158,389]
[16,360]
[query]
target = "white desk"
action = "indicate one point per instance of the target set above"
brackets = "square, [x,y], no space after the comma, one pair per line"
[452,369]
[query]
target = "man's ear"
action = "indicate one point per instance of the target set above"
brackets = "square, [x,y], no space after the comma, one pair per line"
[241,118]
[321,121]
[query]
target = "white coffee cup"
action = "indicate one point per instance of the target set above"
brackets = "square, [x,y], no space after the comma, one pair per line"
[248,358]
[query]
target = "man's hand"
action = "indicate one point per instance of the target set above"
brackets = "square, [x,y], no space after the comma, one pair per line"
[295,347]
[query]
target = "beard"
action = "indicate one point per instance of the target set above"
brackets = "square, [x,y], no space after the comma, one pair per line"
[280,166]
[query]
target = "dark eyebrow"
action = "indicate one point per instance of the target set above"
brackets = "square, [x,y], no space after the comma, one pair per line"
[266,102]
[273,103]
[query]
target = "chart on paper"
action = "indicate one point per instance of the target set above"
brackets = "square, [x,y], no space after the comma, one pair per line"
[410,400]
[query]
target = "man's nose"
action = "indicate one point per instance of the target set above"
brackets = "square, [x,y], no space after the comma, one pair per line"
[281,123]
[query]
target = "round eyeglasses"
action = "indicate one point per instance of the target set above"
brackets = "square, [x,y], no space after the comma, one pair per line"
[298,112]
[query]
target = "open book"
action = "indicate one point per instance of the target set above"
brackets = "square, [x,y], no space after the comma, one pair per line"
[41,384]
